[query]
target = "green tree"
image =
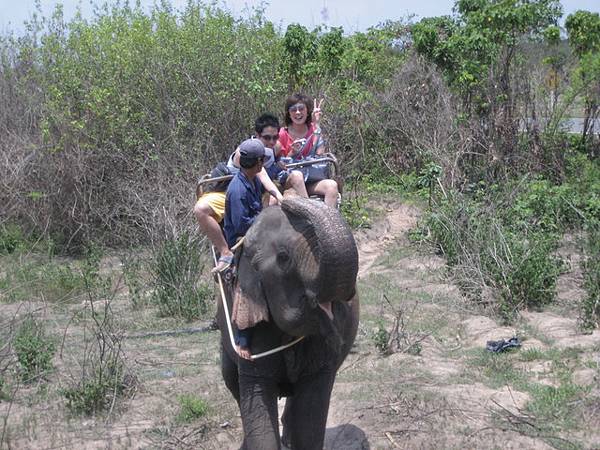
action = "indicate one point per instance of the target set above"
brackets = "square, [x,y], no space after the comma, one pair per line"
[477,49]
[299,51]
[583,28]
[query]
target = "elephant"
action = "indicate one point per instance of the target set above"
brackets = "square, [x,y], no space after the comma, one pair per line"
[300,261]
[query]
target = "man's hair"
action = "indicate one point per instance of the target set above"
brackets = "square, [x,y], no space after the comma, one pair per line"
[248,163]
[264,121]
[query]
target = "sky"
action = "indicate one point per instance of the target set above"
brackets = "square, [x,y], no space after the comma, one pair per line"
[352,15]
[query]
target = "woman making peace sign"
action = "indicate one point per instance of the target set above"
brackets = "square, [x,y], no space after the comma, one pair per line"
[301,138]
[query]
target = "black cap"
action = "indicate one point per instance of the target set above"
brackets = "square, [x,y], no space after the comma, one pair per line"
[252,149]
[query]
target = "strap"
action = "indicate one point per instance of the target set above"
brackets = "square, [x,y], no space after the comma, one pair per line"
[316,144]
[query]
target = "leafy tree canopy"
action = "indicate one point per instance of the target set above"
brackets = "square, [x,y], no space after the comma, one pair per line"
[465,45]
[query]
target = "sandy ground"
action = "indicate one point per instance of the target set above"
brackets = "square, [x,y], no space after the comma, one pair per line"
[442,395]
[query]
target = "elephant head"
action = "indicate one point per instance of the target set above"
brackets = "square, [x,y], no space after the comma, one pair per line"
[297,260]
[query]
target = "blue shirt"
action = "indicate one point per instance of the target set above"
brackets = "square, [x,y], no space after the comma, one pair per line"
[243,203]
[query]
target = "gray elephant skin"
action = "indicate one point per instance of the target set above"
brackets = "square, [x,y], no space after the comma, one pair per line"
[300,260]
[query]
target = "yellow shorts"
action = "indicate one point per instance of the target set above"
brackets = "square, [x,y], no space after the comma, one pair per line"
[216,202]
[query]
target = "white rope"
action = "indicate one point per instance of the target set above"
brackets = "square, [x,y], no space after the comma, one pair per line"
[228,320]
[224,300]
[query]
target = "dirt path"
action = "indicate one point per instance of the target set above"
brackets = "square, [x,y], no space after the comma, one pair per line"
[436,387]
[372,243]
[446,396]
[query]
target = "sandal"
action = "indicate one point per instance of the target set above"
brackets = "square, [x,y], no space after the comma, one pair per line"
[223,264]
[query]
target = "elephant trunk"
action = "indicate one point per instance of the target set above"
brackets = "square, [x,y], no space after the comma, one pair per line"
[333,246]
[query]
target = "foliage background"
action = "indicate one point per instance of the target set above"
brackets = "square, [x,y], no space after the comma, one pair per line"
[108,122]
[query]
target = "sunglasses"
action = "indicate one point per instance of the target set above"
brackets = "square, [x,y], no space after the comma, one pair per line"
[297,107]
[269,137]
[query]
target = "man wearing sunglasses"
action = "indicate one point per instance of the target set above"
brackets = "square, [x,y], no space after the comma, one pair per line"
[210,208]
[267,130]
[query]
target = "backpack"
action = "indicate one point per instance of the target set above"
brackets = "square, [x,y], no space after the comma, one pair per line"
[220,170]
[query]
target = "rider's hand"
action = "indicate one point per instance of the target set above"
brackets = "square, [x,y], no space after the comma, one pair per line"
[279,198]
[317,112]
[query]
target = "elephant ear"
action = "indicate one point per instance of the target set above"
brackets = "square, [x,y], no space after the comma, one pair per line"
[250,304]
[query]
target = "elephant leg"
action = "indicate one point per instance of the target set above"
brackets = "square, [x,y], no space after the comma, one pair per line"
[229,371]
[258,407]
[305,414]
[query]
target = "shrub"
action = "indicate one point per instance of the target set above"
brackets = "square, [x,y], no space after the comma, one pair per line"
[381,338]
[132,275]
[34,350]
[526,273]
[589,316]
[177,266]
[96,391]
[104,377]
[11,239]
[191,408]
[356,214]
[489,252]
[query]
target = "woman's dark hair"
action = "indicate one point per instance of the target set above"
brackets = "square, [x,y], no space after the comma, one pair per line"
[264,121]
[298,98]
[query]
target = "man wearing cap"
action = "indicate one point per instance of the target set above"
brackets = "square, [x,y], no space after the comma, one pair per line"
[243,201]
[210,208]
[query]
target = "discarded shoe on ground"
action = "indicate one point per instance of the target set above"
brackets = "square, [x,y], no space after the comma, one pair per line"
[502,344]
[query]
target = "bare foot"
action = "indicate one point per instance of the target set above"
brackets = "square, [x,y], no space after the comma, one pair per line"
[244,353]
[224,263]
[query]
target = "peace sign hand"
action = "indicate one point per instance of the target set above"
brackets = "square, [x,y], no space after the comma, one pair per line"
[316,114]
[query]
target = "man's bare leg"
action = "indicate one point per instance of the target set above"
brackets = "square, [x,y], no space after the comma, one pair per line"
[210,227]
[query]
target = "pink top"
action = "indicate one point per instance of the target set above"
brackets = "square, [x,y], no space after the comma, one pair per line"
[286,142]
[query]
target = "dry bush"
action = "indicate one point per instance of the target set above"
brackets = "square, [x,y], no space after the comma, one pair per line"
[419,119]
[105,135]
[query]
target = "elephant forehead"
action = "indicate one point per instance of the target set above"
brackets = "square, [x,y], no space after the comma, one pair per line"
[268,224]
[306,260]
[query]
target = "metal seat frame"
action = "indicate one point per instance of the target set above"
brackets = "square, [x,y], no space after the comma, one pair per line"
[327,158]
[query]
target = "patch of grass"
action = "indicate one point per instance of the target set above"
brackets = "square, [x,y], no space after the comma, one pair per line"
[32,278]
[394,253]
[176,268]
[589,316]
[498,369]
[94,394]
[551,354]
[487,252]
[132,275]
[34,350]
[552,410]
[373,188]
[532,354]
[527,331]
[370,289]
[381,337]
[554,405]
[3,394]
[103,375]
[12,239]
[357,214]
[191,408]
[591,364]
